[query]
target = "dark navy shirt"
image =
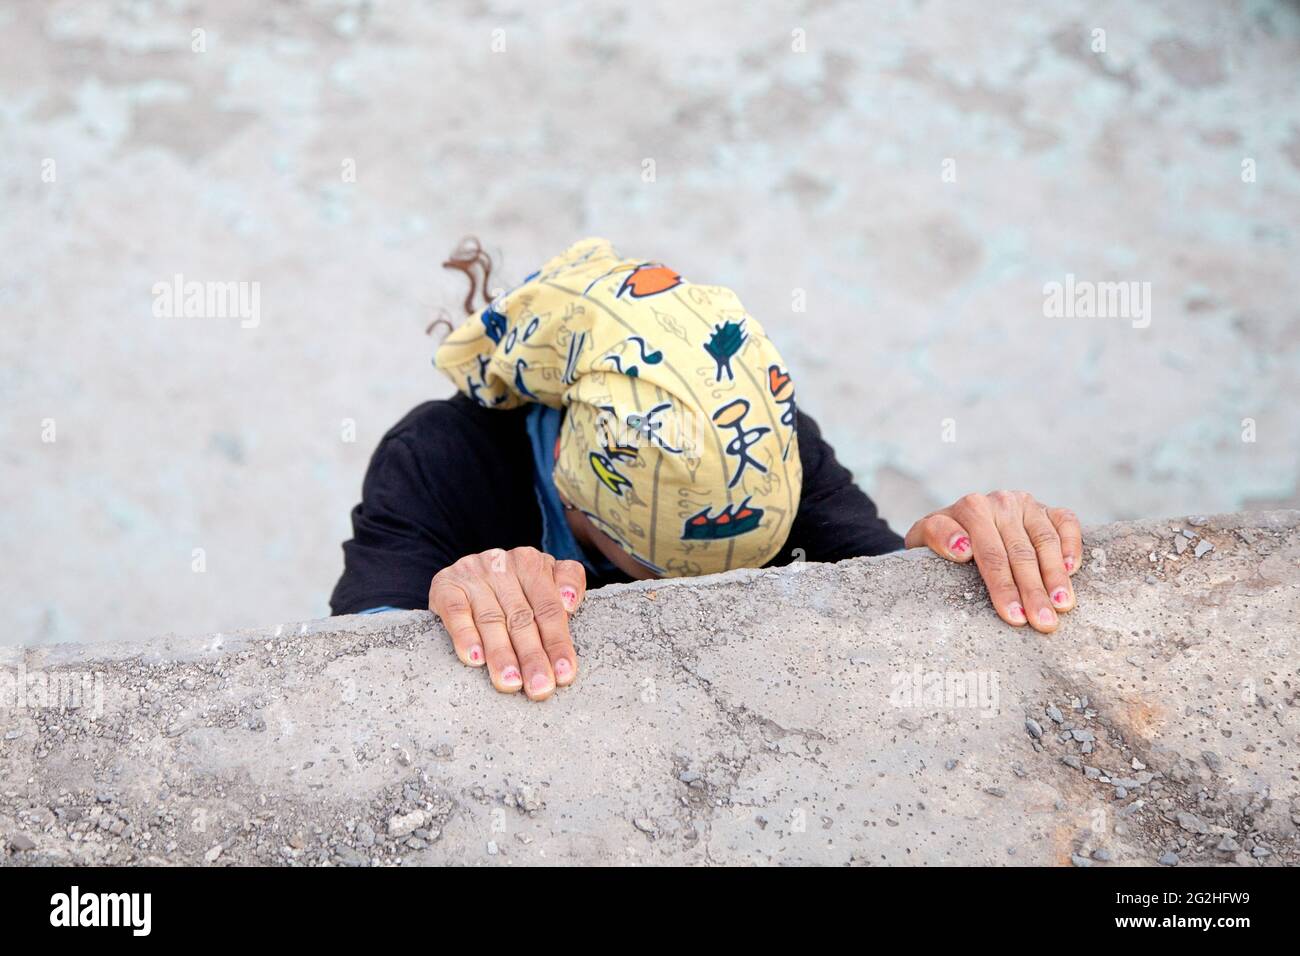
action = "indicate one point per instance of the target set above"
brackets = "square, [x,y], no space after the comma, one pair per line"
[453,478]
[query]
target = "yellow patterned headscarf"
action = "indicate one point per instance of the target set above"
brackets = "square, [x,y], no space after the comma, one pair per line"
[679,434]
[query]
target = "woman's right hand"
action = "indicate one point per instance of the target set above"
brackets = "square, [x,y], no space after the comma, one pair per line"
[511,610]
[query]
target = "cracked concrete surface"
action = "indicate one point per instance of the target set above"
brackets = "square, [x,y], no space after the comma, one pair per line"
[776,173]
[871,712]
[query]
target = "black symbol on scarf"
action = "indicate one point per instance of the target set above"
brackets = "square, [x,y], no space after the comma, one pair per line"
[782,389]
[476,387]
[731,521]
[725,342]
[633,371]
[732,415]
[520,387]
[576,343]
[608,473]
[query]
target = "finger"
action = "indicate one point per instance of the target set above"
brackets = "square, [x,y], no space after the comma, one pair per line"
[490,619]
[539,682]
[1071,535]
[1051,565]
[571,579]
[452,605]
[942,535]
[1024,569]
[991,559]
[552,621]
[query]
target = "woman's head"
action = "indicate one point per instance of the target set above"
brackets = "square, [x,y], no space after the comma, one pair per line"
[679,439]
[588,534]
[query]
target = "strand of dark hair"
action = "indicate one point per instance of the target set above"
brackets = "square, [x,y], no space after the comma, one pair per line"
[472,259]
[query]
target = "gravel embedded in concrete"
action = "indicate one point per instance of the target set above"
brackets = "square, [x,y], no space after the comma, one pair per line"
[702,730]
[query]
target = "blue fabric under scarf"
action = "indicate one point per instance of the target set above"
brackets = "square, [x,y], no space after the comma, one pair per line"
[557,538]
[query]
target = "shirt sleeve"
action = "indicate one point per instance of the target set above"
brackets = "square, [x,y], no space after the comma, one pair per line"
[396,547]
[836,520]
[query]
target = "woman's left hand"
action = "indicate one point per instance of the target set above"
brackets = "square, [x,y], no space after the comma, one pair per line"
[1025,551]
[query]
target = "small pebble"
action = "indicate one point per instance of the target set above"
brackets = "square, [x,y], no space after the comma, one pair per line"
[349,857]
[403,825]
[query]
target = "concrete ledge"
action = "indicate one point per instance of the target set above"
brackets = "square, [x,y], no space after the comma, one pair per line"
[870,712]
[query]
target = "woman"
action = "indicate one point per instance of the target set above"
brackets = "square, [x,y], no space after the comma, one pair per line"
[618,422]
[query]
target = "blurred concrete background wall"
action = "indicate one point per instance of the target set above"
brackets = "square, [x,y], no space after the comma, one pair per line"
[889,186]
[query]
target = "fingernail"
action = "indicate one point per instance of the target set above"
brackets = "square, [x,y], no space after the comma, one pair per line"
[1046,616]
[541,684]
[475,654]
[569,597]
[563,668]
[510,677]
[960,544]
[1069,562]
[1016,612]
[1060,597]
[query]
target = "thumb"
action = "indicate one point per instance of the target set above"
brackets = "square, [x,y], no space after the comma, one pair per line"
[571,580]
[942,535]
